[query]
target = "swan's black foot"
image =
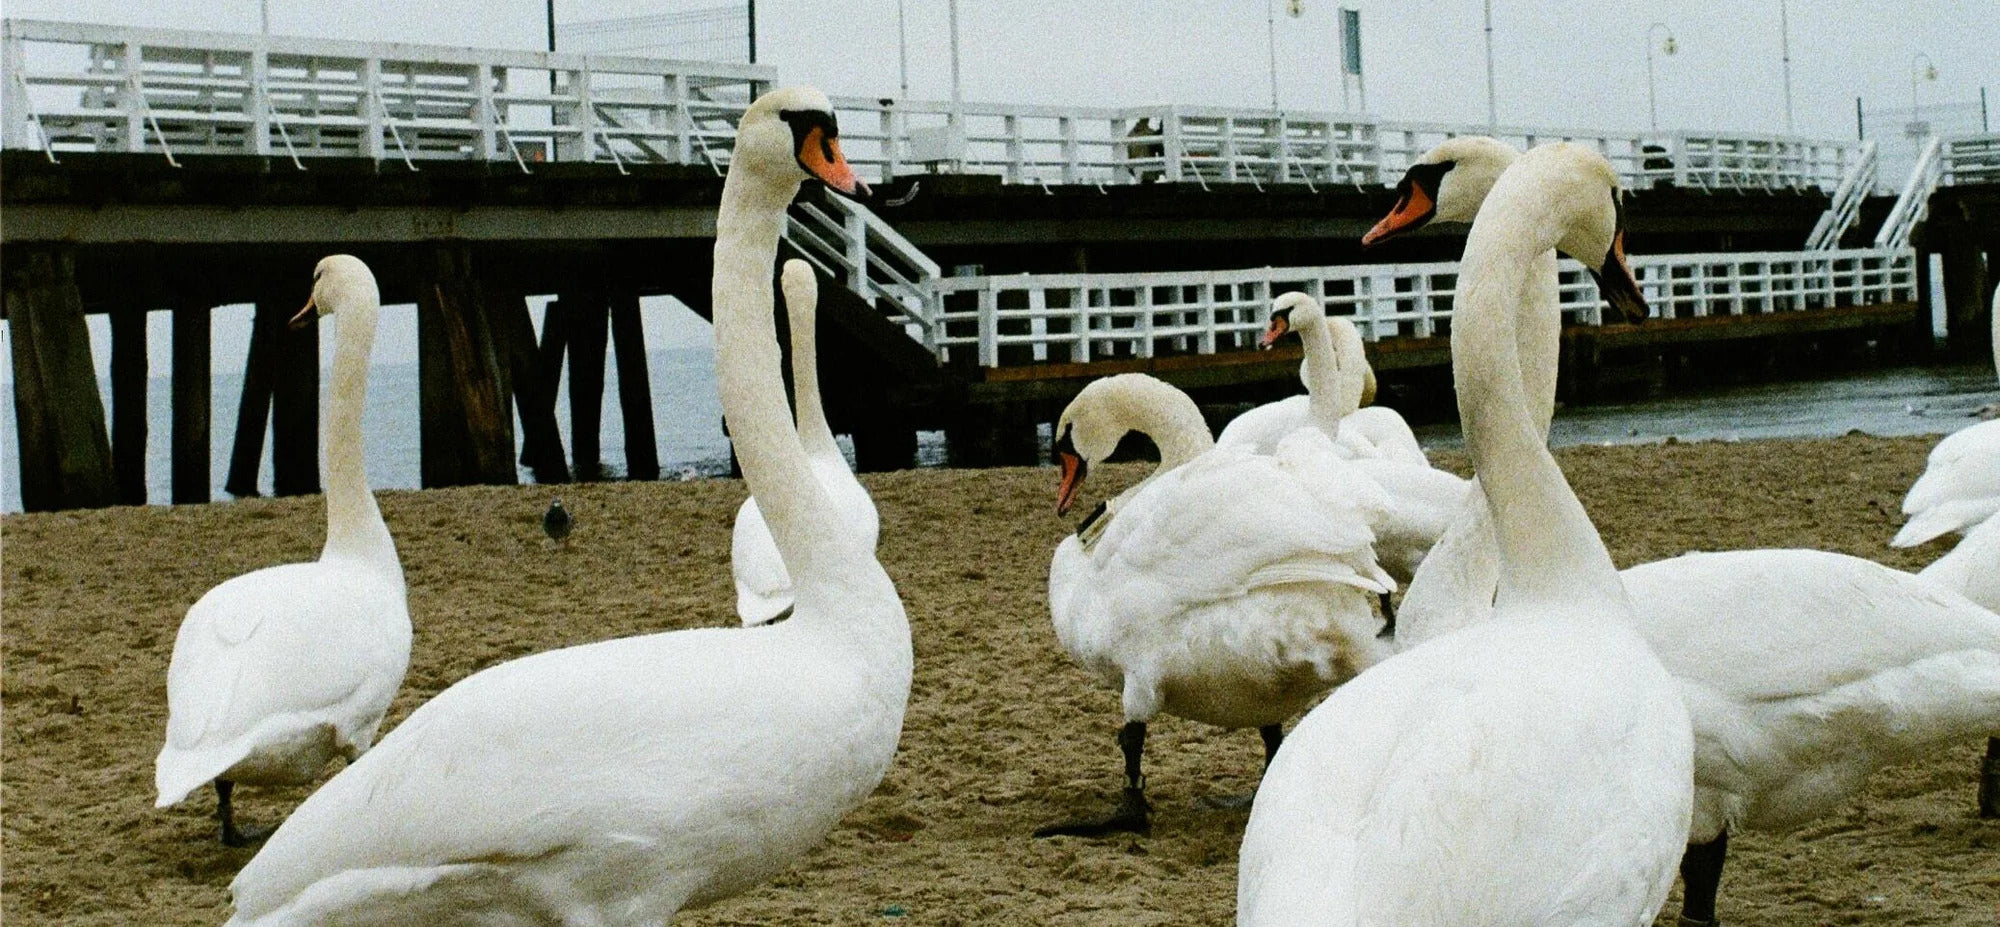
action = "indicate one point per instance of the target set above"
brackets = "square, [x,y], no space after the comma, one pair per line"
[1701,876]
[1134,816]
[232,836]
[1687,921]
[1989,780]
[1388,631]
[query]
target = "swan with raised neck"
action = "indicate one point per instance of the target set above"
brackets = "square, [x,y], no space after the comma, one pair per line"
[629,779]
[246,704]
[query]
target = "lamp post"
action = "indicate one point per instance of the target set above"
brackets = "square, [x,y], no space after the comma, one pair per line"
[903,46]
[1492,109]
[1785,54]
[1927,72]
[1667,47]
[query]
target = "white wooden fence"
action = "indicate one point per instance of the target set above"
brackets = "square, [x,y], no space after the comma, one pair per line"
[84,87]
[1086,317]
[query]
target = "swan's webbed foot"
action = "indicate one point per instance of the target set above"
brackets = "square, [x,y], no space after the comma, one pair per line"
[1989,780]
[1134,816]
[233,836]
[1388,631]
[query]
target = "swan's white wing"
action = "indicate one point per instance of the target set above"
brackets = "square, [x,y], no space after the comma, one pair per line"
[1464,782]
[275,652]
[1973,567]
[589,751]
[1379,432]
[1959,488]
[763,585]
[1260,429]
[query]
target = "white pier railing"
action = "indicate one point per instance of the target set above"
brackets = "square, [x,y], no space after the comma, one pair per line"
[1970,159]
[85,87]
[1030,318]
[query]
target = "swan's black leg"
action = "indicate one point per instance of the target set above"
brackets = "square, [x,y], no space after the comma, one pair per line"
[1273,734]
[1701,875]
[231,837]
[1388,619]
[1134,814]
[1989,780]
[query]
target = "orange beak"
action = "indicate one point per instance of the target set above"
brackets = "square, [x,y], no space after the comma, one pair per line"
[1280,327]
[305,316]
[1073,470]
[821,158]
[1412,210]
[1619,286]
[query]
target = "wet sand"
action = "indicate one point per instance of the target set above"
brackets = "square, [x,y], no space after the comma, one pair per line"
[1002,735]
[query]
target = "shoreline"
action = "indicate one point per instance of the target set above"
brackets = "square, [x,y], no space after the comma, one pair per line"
[1002,733]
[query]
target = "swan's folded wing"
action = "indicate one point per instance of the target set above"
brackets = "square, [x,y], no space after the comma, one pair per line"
[763,586]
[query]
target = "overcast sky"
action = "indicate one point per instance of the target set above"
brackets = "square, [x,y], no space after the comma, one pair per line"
[1558,62]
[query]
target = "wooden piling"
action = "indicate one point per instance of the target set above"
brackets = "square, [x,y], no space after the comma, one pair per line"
[466,434]
[588,326]
[635,389]
[535,378]
[128,404]
[58,412]
[192,389]
[884,441]
[294,399]
[253,411]
[1968,334]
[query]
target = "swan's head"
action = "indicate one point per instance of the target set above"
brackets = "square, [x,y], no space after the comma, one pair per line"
[1089,430]
[1292,312]
[791,132]
[1446,184]
[1586,186]
[339,281]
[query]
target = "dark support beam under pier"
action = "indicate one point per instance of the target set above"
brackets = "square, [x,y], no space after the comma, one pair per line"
[1967,325]
[128,404]
[294,401]
[587,324]
[192,387]
[466,433]
[884,441]
[635,388]
[992,436]
[253,412]
[59,415]
[535,377]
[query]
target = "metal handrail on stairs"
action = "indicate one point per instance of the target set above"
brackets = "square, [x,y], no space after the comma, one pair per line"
[1846,205]
[1915,201]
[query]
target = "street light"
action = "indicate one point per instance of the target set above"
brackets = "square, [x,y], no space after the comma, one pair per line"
[1492,109]
[1927,72]
[1785,51]
[1667,47]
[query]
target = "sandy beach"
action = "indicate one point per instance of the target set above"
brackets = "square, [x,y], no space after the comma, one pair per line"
[1003,734]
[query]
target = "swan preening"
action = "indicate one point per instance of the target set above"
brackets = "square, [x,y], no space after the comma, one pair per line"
[1545,749]
[622,781]
[763,585]
[1803,671]
[276,672]
[1229,588]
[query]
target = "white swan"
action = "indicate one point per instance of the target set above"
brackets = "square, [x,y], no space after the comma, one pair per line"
[1534,769]
[1338,381]
[622,781]
[763,586]
[1803,671]
[278,671]
[1420,499]
[1228,588]
[1960,485]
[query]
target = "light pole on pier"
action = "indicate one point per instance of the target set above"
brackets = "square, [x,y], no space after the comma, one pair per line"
[1927,71]
[1667,47]
[1492,108]
[903,45]
[1785,54]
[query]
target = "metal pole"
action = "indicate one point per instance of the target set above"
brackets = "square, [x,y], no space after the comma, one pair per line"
[752,4]
[264,13]
[1652,106]
[1492,107]
[1785,52]
[1860,126]
[1271,39]
[551,6]
[1984,126]
[957,100]
[903,44]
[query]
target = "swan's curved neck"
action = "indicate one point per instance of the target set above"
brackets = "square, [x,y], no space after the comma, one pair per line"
[822,558]
[354,526]
[1169,418]
[814,432]
[1352,361]
[1549,550]
[1326,387]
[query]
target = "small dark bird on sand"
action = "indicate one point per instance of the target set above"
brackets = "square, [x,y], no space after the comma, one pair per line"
[556,523]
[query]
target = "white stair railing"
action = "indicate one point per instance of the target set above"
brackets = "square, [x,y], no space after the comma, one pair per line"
[852,244]
[1915,201]
[1846,205]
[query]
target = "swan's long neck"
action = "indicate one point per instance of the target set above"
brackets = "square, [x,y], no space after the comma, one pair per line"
[1549,550]
[1352,360]
[354,526]
[1539,336]
[1326,386]
[814,432]
[821,558]
[1170,419]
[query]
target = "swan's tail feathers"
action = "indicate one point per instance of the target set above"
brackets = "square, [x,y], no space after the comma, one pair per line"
[177,773]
